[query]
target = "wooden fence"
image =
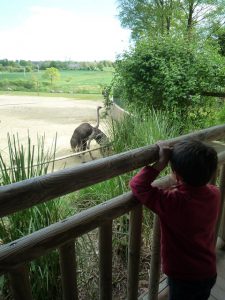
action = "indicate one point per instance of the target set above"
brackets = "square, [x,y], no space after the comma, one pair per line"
[15,256]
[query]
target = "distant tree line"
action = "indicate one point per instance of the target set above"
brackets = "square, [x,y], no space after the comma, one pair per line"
[28,66]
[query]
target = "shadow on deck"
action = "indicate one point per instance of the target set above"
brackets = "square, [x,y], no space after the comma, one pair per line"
[218,291]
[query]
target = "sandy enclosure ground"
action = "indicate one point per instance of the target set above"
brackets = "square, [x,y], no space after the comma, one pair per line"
[46,116]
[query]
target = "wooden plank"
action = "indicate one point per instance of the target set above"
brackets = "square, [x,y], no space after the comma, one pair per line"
[27,193]
[221,212]
[105,261]
[212,297]
[68,271]
[38,243]
[134,248]
[218,293]
[163,290]
[220,282]
[55,235]
[221,263]
[164,294]
[155,262]
[20,283]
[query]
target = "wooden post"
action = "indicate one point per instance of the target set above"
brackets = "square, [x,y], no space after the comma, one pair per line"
[220,228]
[20,283]
[155,262]
[68,271]
[105,261]
[134,252]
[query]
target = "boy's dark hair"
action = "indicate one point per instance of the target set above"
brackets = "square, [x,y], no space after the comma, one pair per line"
[194,161]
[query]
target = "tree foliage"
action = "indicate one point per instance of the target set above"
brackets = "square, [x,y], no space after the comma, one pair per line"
[168,73]
[162,17]
[177,56]
[52,74]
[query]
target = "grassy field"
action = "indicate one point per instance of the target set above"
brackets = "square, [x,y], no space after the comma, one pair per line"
[46,94]
[77,83]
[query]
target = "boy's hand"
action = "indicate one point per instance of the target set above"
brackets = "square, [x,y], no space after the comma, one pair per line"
[164,156]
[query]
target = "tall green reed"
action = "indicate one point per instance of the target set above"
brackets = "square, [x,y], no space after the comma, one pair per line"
[138,129]
[23,161]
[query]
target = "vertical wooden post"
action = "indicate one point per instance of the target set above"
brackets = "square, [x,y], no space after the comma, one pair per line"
[105,261]
[220,228]
[20,283]
[68,271]
[134,252]
[155,262]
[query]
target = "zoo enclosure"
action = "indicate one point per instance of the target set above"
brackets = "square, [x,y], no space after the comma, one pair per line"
[16,255]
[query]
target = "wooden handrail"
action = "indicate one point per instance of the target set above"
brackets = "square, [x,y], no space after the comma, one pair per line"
[30,192]
[38,243]
[61,235]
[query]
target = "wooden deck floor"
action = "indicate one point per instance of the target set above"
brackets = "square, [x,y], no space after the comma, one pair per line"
[218,291]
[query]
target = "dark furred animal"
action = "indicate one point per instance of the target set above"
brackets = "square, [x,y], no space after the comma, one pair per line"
[102,139]
[82,134]
[78,141]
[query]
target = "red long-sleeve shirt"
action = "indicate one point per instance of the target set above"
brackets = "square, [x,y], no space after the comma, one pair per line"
[188,218]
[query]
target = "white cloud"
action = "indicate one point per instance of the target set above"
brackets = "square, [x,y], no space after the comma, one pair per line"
[57,34]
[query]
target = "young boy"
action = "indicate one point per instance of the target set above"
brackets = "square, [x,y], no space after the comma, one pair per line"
[188,213]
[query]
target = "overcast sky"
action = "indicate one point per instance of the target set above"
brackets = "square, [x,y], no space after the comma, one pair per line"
[81,30]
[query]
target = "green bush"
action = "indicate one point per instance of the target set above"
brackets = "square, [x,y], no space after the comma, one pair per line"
[17,85]
[4,84]
[168,73]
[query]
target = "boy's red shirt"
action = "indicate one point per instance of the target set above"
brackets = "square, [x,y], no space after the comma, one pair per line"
[188,218]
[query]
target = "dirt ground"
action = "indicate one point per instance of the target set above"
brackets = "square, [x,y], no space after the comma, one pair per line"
[46,116]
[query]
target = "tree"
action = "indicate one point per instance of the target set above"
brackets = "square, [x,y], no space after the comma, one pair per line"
[52,74]
[217,35]
[161,17]
[169,73]
[145,17]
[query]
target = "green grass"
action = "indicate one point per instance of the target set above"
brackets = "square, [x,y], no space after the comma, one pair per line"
[70,83]
[27,161]
[53,95]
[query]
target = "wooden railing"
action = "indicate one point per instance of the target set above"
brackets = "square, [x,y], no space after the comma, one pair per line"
[15,256]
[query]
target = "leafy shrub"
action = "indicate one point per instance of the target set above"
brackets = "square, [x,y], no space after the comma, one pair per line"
[4,84]
[17,85]
[168,73]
